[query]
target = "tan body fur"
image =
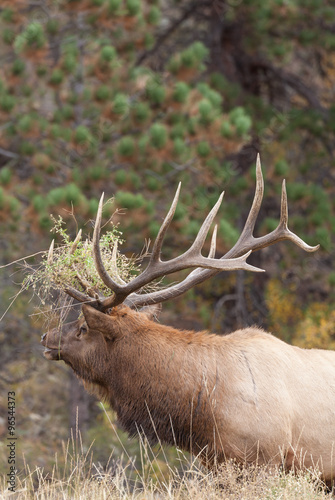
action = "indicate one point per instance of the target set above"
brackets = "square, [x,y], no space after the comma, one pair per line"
[246,395]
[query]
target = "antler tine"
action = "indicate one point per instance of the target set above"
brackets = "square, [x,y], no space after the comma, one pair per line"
[203,231]
[212,249]
[51,253]
[105,277]
[246,238]
[75,243]
[283,205]
[114,266]
[283,230]
[257,201]
[156,251]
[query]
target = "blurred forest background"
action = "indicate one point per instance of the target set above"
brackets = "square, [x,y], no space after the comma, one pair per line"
[130,97]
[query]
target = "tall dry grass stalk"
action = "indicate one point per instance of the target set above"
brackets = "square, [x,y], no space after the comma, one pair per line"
[75,476]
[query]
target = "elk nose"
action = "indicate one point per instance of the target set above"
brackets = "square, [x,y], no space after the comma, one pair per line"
[43,336]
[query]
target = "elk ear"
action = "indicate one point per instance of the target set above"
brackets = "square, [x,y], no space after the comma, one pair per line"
[98,321]
[152,312]
[95,319]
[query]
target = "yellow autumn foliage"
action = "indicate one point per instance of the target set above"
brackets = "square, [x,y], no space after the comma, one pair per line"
[317,329]
[284,311]
[313,327]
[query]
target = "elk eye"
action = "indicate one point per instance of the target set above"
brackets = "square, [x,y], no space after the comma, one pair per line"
[82,331]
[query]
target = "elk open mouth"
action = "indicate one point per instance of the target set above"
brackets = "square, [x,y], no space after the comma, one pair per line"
[52,354]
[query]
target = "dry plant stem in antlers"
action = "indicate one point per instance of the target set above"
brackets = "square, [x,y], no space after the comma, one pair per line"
[90,270]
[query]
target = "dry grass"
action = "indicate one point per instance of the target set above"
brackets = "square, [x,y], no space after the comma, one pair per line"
[80,479]
[231,483]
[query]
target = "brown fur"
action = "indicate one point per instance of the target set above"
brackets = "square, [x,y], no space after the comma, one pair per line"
[246,395]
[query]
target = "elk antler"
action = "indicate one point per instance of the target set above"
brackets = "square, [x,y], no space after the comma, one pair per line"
[206,267]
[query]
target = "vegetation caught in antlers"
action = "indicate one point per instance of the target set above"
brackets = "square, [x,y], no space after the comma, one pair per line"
[70,264]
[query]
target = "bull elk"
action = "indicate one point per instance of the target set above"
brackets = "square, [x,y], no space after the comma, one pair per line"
[246,395]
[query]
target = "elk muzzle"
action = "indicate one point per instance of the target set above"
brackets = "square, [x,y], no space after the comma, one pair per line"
[52,349]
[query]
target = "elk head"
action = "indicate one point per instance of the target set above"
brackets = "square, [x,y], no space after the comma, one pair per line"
[84,343]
